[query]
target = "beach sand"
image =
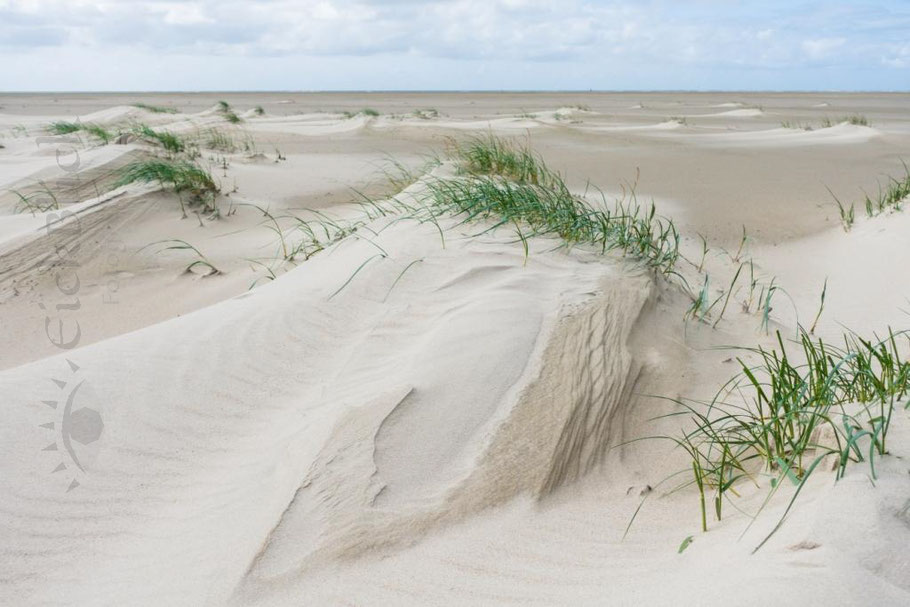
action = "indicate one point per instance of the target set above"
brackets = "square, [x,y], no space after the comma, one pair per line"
[423,413]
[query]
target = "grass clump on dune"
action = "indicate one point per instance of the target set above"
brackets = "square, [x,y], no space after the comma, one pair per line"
[837,404]
[502,157]
[155,109]
[552,210]
[506,183]
[183,176]
[224,108]
[787,124]
[889,198]
[98,131]
[367,111]
[62,127]
[167,140]
[38,201]
[857,119]
[215,139]
[827,122]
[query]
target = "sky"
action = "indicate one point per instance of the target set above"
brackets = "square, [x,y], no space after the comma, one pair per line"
[232,45]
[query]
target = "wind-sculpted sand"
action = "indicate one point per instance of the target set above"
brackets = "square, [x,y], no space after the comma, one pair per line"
[325,385]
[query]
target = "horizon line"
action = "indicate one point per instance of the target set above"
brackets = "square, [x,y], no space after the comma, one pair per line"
[454,91]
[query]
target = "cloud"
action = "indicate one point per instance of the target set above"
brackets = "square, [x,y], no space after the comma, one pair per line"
[708,36]
[821,48]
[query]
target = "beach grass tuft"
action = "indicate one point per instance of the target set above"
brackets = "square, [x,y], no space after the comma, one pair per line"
[201,261]
[39,201]
[367,111]
[510,185]
[493,156]
[171,143]
[837,404]
[155,109]
[183,176]
[62,127]
[891,197]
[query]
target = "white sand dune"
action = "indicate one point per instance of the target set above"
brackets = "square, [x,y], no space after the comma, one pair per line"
[54,158]
[666,125]
[833,255]
[783,137]
[417,418]
[741,113]
[511,124]
[429,434]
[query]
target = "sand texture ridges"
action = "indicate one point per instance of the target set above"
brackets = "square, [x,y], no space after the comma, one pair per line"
[316,391]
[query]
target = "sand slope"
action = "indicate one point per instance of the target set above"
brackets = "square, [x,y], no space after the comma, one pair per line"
[285,410]
[406,419]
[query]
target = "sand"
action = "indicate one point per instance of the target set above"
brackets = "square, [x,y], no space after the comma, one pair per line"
[410,419]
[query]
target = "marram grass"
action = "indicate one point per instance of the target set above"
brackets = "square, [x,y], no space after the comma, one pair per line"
[506,158]
[891,197]
[155,109]
[184,176]
[836,403]
[171,143]
[63,127]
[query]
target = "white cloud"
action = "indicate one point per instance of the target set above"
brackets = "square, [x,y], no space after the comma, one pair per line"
[821,48]
[593,36]
[899,56]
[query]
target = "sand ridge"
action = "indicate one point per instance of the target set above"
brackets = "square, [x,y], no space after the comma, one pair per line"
[422,415]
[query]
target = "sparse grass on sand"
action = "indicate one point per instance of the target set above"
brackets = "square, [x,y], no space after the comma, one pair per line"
[216,139]
[505,182]
[99,132]
[62,127]
[224,108]
[38,201]
[167,140]
[66,128]
[795,124]
[201,261]
[506,158]
[827,122]
[183,176]
[155,109]
[856,119]
[367,111]
[837,405]
[552,210]
[889,198]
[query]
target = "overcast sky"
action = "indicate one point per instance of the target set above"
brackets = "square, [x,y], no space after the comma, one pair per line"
[191,45]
